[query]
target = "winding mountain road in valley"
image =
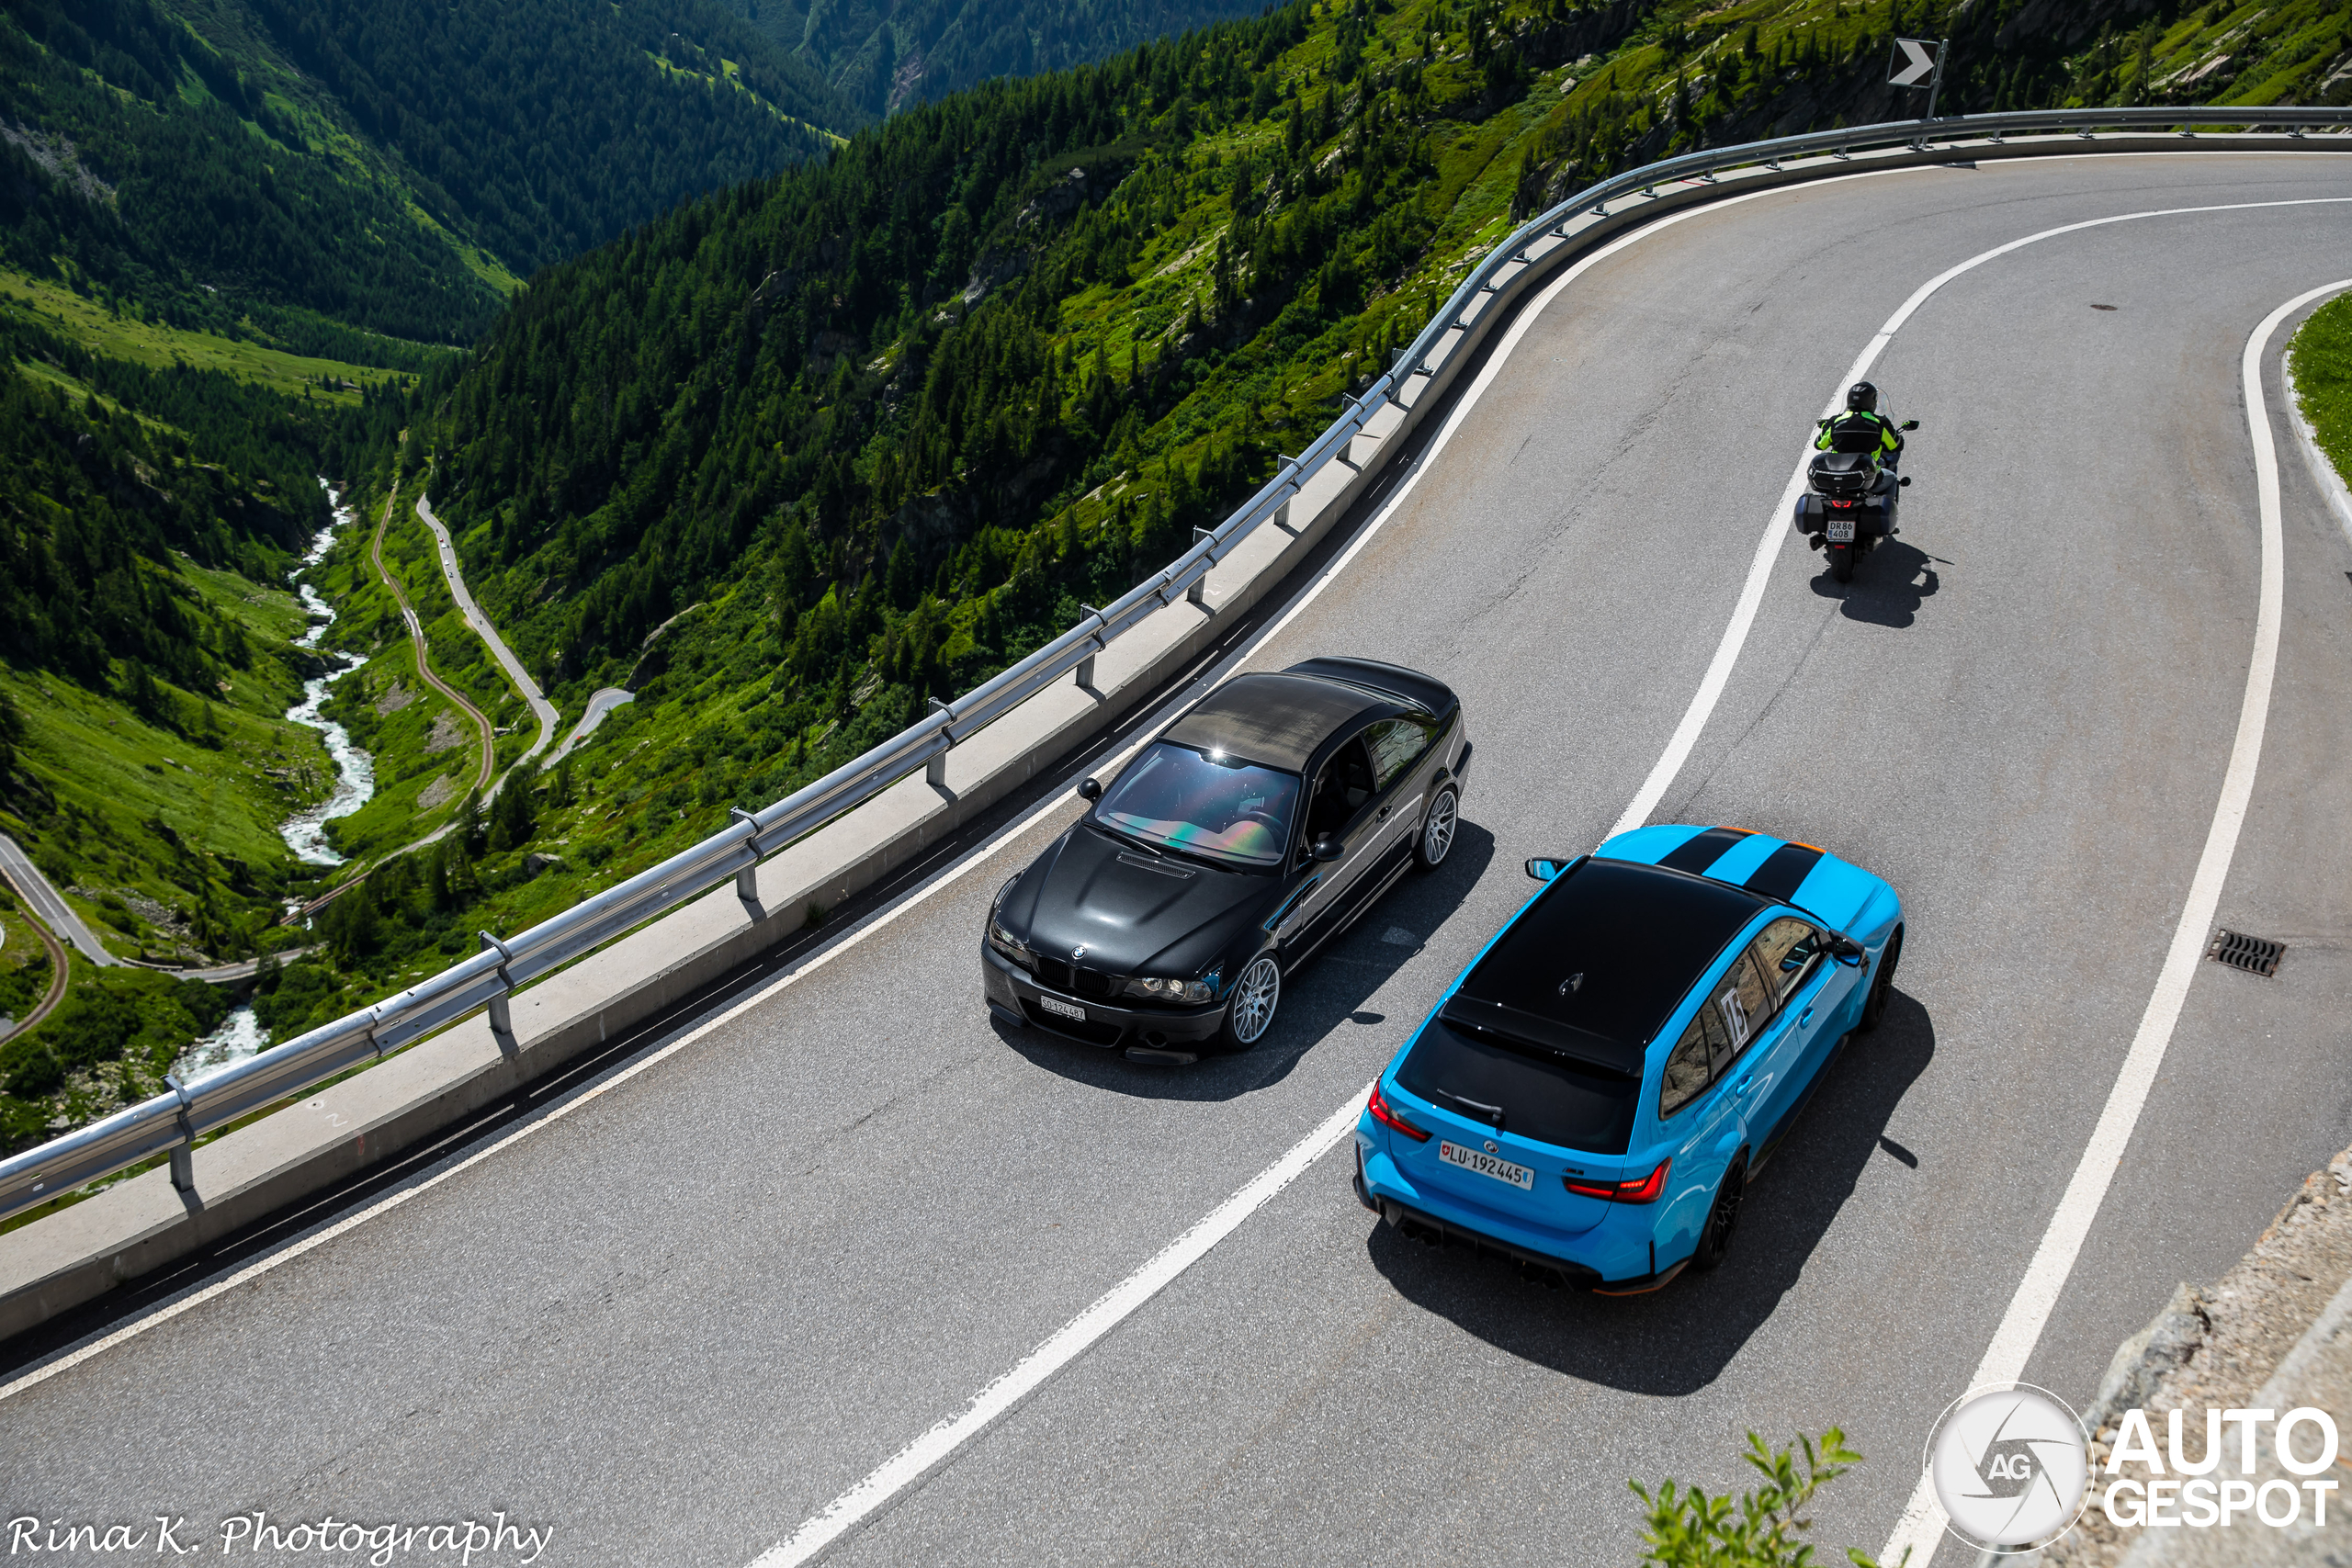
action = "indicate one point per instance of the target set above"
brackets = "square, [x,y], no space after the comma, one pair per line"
[423,652]
[541,709]
[715,1293]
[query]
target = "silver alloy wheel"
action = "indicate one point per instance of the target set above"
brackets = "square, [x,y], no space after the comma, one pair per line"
[1254,997]
[1437,832]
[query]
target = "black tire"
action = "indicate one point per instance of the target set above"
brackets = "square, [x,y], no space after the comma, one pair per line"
[1434,841]
[1723,1219]
[1249,1014]
[1841,562]
[1874,1007]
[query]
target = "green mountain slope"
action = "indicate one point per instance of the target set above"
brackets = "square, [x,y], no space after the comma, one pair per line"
[884,57]
[289,171]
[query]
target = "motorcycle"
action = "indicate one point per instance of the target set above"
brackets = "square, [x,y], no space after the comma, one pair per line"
[1849,505]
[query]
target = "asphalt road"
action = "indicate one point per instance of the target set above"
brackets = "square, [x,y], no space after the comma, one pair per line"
[46,903]
[680,1320]
[424,656]
[541,709]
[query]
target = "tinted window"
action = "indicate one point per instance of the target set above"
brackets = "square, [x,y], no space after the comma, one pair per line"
[1341,790]
[1227,810]
[1542,1098]
[1703,1052]
[1612,948]
[1743,1003]
[1394,744]
[1787,952]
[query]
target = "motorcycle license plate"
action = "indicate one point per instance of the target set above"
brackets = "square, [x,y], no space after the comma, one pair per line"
[1841,530]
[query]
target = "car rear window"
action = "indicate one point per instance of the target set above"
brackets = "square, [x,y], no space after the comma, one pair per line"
[1541,1095]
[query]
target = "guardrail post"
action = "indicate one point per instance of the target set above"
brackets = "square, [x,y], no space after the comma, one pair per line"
[935,773]
[1198,593]
[501,1015]
[1086,665]
[183,1151]
[747,881]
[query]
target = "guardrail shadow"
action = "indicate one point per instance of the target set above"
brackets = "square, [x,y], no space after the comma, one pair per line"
[1327,995]
[1677,1340]
[1888,586]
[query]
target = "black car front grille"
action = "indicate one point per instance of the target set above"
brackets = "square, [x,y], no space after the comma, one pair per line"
[1075,980]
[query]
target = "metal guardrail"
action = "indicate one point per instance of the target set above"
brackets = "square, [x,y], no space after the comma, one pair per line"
[172,1122]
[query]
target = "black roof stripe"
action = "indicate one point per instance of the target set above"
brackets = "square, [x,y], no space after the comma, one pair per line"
[1783,871]
[1700,851]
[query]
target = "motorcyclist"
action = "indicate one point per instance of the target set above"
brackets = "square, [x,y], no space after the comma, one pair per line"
[1862,428]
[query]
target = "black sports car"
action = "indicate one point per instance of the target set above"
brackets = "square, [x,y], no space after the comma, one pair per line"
[1245,836]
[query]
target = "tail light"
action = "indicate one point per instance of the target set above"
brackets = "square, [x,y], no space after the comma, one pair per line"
[1642,1190]
[1385,1114]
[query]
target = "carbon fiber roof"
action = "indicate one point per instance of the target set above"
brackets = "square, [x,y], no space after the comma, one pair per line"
[1276,721]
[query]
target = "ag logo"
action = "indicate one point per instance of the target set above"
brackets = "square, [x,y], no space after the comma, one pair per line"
[2010,1466]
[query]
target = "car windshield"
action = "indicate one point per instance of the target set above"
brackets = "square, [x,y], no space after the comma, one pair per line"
[1221,808]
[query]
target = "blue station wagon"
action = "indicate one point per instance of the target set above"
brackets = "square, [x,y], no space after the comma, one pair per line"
[1594,1093]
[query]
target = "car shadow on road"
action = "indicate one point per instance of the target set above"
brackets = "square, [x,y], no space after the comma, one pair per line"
[1890,584]
[1677,1340]
[1329,994]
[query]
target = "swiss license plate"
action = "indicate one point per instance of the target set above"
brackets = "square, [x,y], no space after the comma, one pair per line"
[1061,1009]
[1487,1165]
[1841,530]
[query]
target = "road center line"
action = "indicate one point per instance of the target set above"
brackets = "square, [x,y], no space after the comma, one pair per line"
[1920,1529]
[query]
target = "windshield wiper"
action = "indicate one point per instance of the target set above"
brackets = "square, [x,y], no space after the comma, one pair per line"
[1493,1113]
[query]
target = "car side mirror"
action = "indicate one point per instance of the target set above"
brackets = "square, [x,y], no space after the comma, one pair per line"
[1902,483]
[1090,789]
[1329,848]
[1910,425]
[1845,951]
[1544,870]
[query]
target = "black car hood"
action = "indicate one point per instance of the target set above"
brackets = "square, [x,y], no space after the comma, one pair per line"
[1134,912]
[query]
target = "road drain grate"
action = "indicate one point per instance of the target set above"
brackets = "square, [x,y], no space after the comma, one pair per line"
[2254,955]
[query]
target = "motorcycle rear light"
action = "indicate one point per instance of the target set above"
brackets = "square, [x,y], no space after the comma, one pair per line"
[1643,1189]
[1385,1114]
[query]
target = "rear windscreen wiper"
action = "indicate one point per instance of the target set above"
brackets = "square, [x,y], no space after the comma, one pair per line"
[1484,1112]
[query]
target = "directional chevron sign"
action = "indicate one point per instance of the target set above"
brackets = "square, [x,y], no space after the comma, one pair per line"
[1914,61]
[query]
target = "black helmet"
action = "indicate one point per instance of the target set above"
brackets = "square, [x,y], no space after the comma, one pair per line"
[1863,398]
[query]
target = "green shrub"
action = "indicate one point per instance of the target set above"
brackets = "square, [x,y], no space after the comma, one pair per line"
[1763,1529]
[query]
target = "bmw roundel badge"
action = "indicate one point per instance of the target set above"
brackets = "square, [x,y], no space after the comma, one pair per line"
[1493,1147]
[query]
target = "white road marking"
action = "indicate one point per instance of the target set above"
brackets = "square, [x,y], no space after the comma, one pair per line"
[1921,1528]
[1777,525]
[910,1463]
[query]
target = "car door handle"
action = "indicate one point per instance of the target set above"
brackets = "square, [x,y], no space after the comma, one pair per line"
[1807,1016]
[1740,1090]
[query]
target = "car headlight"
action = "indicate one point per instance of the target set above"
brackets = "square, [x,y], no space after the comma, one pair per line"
[1153,988]
[1004,941]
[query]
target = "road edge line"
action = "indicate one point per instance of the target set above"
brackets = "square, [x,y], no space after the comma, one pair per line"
[1919,1531]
